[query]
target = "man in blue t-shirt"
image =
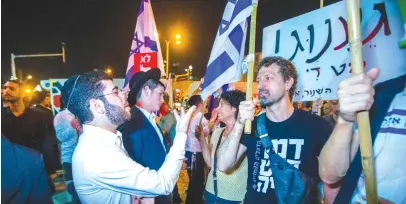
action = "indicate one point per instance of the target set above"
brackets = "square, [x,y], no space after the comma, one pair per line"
[296,135]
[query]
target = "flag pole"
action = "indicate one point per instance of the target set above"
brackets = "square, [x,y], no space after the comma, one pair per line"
[250,73]
[354,31]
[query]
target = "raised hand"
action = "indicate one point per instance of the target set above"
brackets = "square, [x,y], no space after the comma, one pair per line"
[356,94]
[182,121]
[246,111]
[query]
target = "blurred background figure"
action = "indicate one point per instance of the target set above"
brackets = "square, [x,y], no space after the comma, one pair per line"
[330,111]
[41,102]
[25,126]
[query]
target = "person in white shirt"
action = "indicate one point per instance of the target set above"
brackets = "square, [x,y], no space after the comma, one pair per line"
[102,170]
[342,184]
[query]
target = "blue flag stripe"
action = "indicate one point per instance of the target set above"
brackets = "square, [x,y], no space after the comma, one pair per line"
[241,5]
[236,37]
[217,68]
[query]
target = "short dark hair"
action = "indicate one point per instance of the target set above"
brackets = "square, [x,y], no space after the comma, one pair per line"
[38,97]
[86,87]
[234,98]
[152,84]
[195,100]
[287,69]
[16,81]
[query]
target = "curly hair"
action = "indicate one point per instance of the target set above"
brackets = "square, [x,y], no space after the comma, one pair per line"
[234,98]
[86,87]
[287,70]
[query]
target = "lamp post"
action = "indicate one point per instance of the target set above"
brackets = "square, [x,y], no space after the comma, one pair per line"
[167,57]
[168,42]
[13,57]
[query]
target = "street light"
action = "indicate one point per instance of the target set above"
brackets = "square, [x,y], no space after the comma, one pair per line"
[178,41]
[190,67]
[108,71]
[29,77]
[13,57]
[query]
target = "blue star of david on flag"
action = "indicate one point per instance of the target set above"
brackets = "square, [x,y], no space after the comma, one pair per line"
[144,44]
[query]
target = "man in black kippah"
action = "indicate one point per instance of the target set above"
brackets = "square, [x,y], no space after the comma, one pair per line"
[142,137]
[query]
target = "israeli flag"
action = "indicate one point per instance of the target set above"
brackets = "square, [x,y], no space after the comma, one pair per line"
[228,50]
[145,50]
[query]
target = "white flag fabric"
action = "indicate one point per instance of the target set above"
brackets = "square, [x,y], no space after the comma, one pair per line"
[228,50]
[145,49]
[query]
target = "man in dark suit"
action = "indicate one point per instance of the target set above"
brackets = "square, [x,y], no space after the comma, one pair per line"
[142,137]
[24,179]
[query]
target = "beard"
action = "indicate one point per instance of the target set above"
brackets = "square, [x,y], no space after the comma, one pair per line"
[116,114]
[9,98]
[266,100]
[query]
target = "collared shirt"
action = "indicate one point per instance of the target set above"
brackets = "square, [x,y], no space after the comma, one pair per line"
[390,143]
[192,143]
[151,118]
[103,172]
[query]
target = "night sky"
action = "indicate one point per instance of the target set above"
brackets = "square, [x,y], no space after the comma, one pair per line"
[99,33]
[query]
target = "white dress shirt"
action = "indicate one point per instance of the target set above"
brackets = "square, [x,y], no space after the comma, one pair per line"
[103,172]
[151,118]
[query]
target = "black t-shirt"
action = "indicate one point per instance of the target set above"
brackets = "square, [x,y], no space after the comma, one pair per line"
[27,130]
[299,139]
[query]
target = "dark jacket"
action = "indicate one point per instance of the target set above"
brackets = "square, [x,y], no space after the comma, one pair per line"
[143,144]
[51,151]
[24,179]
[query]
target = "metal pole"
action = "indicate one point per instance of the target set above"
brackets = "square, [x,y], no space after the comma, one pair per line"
[13,57]
[167,57]
[13,66]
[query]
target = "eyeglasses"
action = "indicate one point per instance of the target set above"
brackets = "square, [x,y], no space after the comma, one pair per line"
[120,93]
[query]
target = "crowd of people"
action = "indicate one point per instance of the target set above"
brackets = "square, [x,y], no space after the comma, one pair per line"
[129,145]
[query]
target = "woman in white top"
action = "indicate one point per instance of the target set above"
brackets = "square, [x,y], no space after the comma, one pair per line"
[229,187]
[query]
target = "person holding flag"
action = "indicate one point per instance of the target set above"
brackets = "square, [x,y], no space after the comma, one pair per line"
[292,138]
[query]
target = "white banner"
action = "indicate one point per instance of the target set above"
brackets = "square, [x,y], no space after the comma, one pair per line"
[317,44]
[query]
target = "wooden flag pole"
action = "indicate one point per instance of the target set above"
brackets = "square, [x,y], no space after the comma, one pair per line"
[250,73]
[354,31]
